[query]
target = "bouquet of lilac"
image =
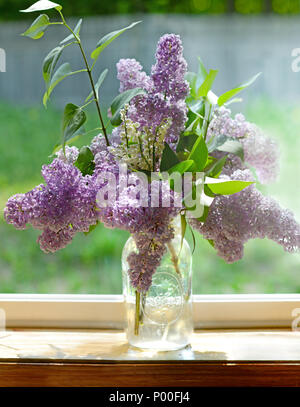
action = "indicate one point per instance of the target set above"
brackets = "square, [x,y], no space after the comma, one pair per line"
[175,150]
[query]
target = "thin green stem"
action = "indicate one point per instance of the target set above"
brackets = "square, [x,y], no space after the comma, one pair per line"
[142,155]
[85,105]
[70,43]
[92,67]
[80,70]
[207,120]
[137,312]
[143,302]
[153,151]
[91,131]
[89,74]
[174,257]
[126,134]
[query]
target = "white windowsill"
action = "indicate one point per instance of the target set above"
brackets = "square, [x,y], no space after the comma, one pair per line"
[107,311]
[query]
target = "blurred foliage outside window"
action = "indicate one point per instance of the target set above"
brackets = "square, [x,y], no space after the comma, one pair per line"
[9,8]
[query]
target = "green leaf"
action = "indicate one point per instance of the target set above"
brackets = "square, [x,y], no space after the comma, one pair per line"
[50,62]
[199,154]
[196,80]
[108,38]
[216,141]
[211,242]
[191,117]
[228,145]
[59,146]
[207,84]
[81,132]
[169,159]
[183,223]
[191,77]
[204,215]
[228,95]
[76,32]
[233,147]
[194,240]
[226,187]
[73,119]
[208,192]
[98,85]
[234,100]
[194,127]
[37,28]
[181,167]
[85,161]
[217,167]
[62,72]
[121,100]
[186,142]
[209,163]
[202,73]
[197,107]
[92,227]
[42,5]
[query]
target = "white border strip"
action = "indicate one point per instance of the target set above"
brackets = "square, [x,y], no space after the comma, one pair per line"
[107,311]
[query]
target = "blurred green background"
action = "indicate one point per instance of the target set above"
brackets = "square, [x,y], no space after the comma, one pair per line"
[95,7]
[91,264]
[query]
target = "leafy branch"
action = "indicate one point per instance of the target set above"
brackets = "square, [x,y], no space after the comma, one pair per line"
[88,70]
[73,115]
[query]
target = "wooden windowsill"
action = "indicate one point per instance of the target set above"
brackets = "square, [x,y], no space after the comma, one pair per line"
[103,358]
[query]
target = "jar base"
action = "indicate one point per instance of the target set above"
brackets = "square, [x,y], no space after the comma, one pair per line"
[158,346]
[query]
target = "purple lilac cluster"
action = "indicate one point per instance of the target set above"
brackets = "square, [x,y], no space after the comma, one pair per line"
[150,250]
[61,207]
[260,151]
[149,226]
[166,88]
[151,230]
[131,76]
[67,204]
[234,219]
[168,72]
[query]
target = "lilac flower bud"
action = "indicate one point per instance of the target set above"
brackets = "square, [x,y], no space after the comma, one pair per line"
[168,72]
[131,76]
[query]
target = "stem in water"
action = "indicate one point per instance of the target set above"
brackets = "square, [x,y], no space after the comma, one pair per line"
[137,312]
[174,257]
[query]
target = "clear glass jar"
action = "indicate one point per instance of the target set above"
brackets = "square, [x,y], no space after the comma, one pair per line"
[161,319]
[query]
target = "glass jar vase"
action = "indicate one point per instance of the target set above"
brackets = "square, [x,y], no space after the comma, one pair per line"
[161,319]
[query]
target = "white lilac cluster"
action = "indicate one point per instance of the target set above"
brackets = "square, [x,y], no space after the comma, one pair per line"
[140,149]
[260,151]
[234,219]
[68,156]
